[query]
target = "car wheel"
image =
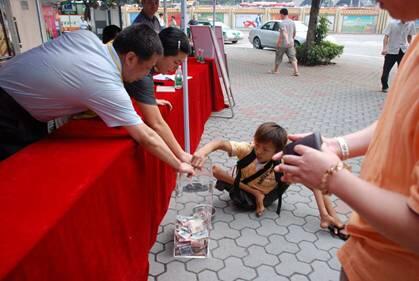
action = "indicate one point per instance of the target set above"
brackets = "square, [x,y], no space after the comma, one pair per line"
[234,42]
[296,43]
[256,43]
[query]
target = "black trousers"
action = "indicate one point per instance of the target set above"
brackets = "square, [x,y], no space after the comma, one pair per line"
[17,127]
[389,61]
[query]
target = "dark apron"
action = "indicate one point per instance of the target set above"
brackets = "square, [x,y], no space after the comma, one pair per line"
[17,127]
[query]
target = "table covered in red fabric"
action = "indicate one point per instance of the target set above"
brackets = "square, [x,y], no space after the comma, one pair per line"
[85,203]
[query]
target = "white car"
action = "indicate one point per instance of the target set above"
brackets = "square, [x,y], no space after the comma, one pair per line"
[230,35]
[267,34]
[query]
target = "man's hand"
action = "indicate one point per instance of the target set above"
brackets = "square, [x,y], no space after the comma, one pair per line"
[186,168]
[164,103]
[384,52]
[186,157]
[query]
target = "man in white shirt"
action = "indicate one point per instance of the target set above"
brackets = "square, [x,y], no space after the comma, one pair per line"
[397,37]
[84,25]
[75,73]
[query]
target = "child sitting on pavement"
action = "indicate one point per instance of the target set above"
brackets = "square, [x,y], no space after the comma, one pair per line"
[269,139]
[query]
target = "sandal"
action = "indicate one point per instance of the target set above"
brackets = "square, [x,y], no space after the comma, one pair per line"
[336,231]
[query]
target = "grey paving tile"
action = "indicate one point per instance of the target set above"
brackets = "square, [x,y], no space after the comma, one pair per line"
[235,269]
[258,256]
[287,218]
[207,275]
[326,242]
[299,277]
[269,227]
[321,271]
[309,253]
[228,247]
[297,234]
[242,220]
[176,269]
[198,265]
[222,229]
[278,244]
[268,273]
[334,262]
[289,265]
[250,237]
[157,247]
[157,268]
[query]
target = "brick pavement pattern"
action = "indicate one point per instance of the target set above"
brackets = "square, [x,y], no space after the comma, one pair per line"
[334,100]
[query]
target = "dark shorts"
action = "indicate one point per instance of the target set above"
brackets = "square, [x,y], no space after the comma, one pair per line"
[17,127]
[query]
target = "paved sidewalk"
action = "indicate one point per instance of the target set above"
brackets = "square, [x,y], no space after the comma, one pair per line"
[334,100]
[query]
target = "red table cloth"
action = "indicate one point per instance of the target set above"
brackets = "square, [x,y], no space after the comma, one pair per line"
[85,203]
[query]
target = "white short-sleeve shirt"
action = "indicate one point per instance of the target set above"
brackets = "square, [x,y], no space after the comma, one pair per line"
[397,33]
[69,75]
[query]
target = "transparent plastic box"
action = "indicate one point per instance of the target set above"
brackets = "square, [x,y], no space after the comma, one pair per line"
[194,211]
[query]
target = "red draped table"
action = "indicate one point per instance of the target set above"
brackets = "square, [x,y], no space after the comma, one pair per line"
[85,203]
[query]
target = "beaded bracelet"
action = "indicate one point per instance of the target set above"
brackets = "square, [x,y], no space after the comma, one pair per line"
[344,148]
[332,170]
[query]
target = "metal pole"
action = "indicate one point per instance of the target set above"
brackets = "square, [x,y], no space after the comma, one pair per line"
[165,12]
[39,15]
[214,2]
[185,86]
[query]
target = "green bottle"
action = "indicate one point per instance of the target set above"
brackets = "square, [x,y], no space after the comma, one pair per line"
[178,78]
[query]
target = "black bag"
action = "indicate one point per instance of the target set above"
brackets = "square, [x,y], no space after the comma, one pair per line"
[246,200]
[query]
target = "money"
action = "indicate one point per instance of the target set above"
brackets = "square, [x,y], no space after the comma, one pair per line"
[191,236]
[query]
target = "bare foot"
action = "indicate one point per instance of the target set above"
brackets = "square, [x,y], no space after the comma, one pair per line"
[273,72]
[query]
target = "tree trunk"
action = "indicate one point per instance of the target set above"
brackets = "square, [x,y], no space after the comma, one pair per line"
[312,25]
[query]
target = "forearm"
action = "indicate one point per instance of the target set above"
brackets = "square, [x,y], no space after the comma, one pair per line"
[359,141]
[153,143]
[385,43]
[384,210]
[216,145]
[164,131]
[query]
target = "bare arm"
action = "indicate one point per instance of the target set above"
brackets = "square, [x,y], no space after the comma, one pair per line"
[359,141]
[385,45]
[385,210]
[409,39]
[153,118]
[200,155]
[388,213]
[152,142]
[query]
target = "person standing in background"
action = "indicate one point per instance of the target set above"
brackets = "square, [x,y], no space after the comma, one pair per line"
[285,44]
[397,37]
[147,15]
[161,20]
[173,22]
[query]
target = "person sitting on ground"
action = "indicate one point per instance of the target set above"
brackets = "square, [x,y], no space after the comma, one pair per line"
[176,48]
[109,33]
[269,139]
